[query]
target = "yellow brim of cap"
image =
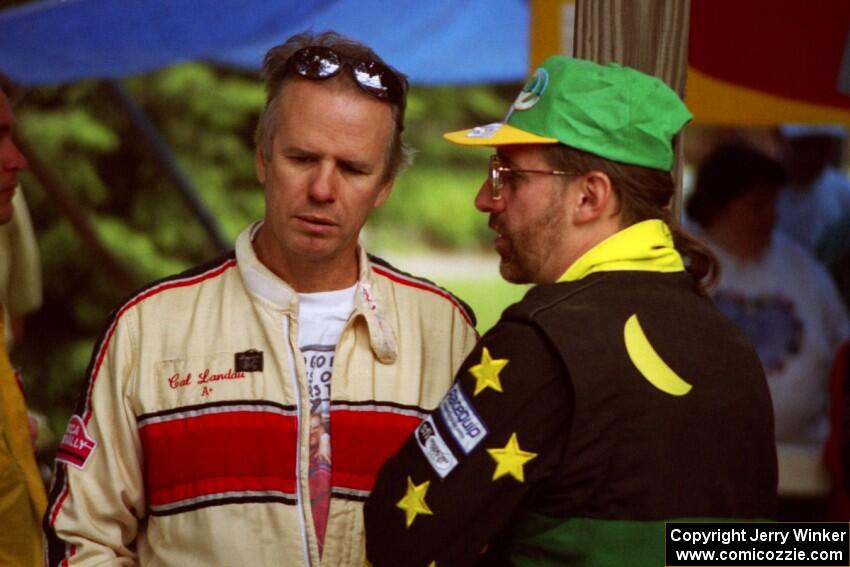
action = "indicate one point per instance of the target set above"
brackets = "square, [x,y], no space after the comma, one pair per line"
[496,134]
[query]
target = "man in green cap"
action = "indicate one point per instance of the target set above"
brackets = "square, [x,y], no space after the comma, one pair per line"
[614,396]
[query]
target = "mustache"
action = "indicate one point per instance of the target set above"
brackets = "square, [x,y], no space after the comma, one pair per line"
[495,226]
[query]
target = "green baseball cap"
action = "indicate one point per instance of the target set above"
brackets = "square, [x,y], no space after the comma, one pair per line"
[611,111]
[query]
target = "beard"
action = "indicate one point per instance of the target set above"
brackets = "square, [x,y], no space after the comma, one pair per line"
[527,249]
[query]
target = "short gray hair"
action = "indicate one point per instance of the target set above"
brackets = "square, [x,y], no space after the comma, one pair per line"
[276,72]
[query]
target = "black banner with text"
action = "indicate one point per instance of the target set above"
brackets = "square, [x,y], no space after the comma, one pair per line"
[761,544]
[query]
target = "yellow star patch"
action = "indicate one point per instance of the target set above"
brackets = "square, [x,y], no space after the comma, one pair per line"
[413,502]
[487,372]
[510,460]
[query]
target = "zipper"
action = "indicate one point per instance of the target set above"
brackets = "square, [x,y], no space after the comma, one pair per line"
[299,494]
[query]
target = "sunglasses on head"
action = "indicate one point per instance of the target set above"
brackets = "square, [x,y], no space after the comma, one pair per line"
[375,78]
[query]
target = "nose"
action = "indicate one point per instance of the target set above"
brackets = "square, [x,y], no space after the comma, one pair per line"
[323,186]
[11,158]
[484,201]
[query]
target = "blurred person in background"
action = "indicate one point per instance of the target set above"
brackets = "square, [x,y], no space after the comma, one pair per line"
[22,497]
[833,244]
[817,194]
[20,270]
[778,294]
[834,253]
[21,295]
[237,413]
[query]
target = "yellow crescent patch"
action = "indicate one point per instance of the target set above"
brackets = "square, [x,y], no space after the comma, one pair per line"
[649,364]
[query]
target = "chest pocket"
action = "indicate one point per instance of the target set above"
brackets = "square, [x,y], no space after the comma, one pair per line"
[205,379]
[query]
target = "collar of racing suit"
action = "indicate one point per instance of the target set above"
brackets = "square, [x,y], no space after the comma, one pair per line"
[644,246]
[368,300]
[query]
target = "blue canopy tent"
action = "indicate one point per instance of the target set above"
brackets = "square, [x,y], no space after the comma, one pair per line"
[57,42]
[434,41]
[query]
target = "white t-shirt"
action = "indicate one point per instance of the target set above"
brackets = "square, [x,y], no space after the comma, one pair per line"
[321,319]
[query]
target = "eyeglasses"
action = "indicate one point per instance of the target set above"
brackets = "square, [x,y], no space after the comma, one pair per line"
[375,78]
[497,169]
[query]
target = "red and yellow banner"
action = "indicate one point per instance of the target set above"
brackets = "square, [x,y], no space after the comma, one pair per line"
[750,62]
[767,62]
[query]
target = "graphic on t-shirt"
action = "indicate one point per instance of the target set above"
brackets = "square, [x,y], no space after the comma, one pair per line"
[770,322]
[322,317]
[318,361]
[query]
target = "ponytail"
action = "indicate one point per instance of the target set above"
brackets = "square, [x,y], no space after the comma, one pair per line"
[644,194]
[700,261]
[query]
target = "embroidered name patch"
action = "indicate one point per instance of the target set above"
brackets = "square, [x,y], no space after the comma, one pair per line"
[434,448]
[77,446]
[462,419]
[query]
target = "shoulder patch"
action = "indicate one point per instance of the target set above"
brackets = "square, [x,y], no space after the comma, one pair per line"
[384,268]
[434,448]
[77,446]
[462,419]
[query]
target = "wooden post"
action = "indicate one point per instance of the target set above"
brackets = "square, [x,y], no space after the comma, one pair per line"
[648,35]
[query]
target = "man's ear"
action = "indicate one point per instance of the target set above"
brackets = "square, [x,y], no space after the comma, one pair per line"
[383,193]
[594,198]
[260,165]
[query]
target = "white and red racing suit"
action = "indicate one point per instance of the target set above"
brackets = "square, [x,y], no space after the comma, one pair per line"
[191,444]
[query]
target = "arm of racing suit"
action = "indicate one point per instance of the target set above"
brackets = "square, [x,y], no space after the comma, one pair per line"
[97,498]
[458,480]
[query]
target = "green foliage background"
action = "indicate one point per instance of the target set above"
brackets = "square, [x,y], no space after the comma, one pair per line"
[207,116]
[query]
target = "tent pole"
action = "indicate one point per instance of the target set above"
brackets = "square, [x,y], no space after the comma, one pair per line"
[63,200]
[165,159]
[648,35]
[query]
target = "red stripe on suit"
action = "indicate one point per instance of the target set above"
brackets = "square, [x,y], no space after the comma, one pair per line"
[219,452]
[361,441]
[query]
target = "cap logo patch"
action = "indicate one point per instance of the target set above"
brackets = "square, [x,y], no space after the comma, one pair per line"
[486,131]
[435,449]
[532,91]
[76,446]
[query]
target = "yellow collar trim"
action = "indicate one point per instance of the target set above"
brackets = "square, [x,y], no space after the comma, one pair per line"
[646,246]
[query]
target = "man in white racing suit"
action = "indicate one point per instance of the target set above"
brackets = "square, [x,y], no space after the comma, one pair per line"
[237,414]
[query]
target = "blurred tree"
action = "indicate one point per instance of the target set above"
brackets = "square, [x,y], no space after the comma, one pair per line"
[207,116]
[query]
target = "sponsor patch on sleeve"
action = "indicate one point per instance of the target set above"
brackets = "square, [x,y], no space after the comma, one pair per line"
[434,448]
[77,446]
[462,420]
